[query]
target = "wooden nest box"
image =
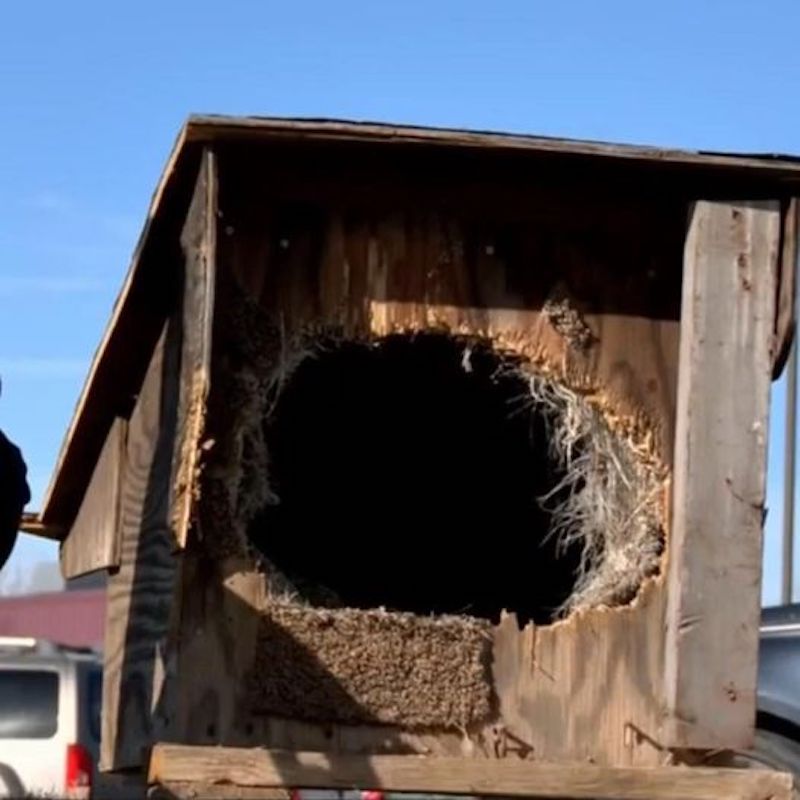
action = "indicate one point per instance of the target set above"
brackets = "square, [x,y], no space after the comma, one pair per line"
[409,441]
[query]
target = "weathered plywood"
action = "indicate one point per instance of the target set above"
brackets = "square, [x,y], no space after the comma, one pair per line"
[513,777]
[216,626]
[585,689]
[93,541]
[140,594]
[726,361]
[199,245]
[414,253]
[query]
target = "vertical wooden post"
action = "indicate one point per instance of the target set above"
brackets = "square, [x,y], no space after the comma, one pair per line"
[198,240]
[714,581]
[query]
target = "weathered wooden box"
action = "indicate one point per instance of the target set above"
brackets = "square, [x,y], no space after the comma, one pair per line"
[419,441]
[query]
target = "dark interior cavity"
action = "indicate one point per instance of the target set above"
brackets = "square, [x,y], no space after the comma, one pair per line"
[409,479]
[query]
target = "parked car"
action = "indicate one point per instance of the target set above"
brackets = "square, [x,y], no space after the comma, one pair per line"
[778,733]
[50,702]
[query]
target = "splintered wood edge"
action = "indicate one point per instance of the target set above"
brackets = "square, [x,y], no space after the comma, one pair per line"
[180,765]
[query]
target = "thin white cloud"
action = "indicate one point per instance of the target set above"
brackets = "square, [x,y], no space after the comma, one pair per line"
[125,227]
[49,200]
[13,285]
[117,225]
[34,367]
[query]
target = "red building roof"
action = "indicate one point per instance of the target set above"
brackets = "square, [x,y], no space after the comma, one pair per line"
[75,618]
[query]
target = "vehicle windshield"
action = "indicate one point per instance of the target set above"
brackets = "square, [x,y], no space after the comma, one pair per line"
[28,704]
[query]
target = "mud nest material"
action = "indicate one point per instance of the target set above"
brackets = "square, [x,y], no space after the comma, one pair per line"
[351,666]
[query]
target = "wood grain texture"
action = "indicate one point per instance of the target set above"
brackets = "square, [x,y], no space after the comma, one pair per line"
[274,769]
[140,594]
[720,463]
[585,689]
[217,627]
[198,241]
[93,542]
[478,259]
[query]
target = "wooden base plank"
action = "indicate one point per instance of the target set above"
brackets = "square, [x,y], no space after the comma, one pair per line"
[241,767]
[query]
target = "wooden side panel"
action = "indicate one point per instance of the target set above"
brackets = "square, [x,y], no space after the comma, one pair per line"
[515,777]
[93,541]
[726,361]
[368,263]
[140,594]
[198,241]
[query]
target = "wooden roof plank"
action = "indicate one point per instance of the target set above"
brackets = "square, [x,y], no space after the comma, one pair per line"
[215,128]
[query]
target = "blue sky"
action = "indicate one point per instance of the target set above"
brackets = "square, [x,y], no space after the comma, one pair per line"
[92,94]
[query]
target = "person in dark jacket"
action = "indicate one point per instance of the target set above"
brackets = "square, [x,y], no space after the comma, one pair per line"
[15,494]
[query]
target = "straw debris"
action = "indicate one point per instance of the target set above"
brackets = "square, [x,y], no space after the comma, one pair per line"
[608,502]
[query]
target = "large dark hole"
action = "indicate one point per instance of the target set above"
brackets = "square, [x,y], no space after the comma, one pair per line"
[410,482]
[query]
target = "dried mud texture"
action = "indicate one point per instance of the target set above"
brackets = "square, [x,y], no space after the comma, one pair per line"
[372,667]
